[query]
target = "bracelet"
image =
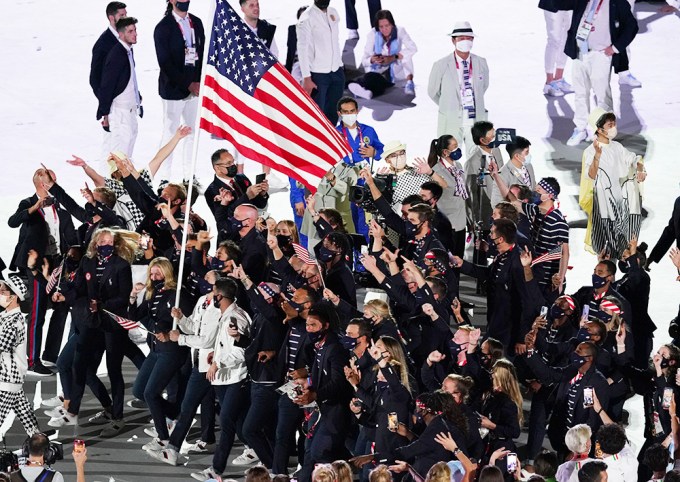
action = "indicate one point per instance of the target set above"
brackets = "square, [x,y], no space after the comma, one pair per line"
[599,411]
[456,452]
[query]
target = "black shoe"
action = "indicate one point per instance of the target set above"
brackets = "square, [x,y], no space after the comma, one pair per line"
[40,370]
[136,403]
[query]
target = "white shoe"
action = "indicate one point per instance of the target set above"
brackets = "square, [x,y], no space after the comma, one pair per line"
[246,458]
[410,88]
[64,420]
[206,474]
[564,86]
[169,456]
[629,80]
[155,444]
[552,90]
[57,401]
[198,447]
[359,91]
[55,412]
[578,136]
[352,34]
[151,431]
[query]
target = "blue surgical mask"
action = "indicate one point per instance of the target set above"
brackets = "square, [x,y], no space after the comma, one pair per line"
[598,281]
[535,198]
[348,342]
[105,250]
[455,155]
[527,159]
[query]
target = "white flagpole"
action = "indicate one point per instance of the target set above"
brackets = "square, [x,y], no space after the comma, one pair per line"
[194,156]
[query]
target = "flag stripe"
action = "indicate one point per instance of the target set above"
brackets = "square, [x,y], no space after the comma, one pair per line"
[54,278]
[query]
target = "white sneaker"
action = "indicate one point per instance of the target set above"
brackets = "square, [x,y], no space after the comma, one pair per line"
[151,431]
[629,80]
[169,456]
[57,401]
[410,88]
[198,447]
[246,458]
[206,474]
[564,86]
[359,91]
[552,90]
[55,412]
[578,136]
[64,420]
[155,444]
[352,34]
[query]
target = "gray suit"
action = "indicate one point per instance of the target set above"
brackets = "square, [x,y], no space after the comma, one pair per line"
[511,175]
[451,206]
[472,166]
[444,88]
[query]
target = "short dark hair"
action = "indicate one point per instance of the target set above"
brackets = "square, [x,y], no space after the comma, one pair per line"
[257,473]
[656,457]
[496,349]
[424,211]
[340,240]
[326,313]
[519,145]
[334,217]
[552,182]
[590,472]
[38,444]
[610,265]
[217,155]
[545,463]
[124,23]
[672,476]
[412,200]
[507,229]
[507,211]
[227,287]
[524,191]
[241,2]
[347,100]
[601,328]
[232,249]
[312,295]
[113,7]
[364,328]
[612,438]
[479,130]
[438,286]
[604,118]
[434,188]
[591,348]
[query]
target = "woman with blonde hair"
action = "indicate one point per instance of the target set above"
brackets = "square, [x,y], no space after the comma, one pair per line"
[380,474]
[166,357]
[378,313]
[439,472]
[324,473]
[578,441]
[343,471]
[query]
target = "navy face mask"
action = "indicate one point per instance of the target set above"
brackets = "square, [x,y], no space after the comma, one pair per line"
[182,6]
[556,312]
[455,348]
[576,359]
[604,317]
[204,287]
[105,250]
[316,336]
[348,342]
[455,155]
[582,335]
[296,306]
[664,363]
[236,225]
[599,281]
[412,229]
[326,255]
[216,263]
[535,198]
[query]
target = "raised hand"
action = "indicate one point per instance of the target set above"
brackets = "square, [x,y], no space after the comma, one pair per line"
[183,131]
[525,257]
[76,161]
[422,166]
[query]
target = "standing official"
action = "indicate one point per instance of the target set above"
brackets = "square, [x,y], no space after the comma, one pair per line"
[263,29]
[179,41]
[457,85]
[119,97]
[320,57]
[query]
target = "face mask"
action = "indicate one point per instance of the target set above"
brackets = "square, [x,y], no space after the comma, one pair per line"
[624,267]
[218,299]
[182,6]
[464,46]
[412,229]
[556,312]
[216,263]
[599,281]
[492,143]
[455,348]
[527,159]
[232,170]
[576,360]
[486,359]
[322,4]
[535,198]
[158,284]
[105,250]
[399,163]
[326,255]
[349,119]
[582,335]
[71,264]
[604,317]
[455,155]
[4,301]
[664,363]
[283,240]
[296,306]
[236,225]
[368,320]
[348,342]
[611,133]
[204,287]
[316,336]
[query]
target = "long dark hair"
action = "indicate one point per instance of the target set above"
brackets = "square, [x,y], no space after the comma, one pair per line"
[168,8]
[385,15]
[450,411]
[437,146]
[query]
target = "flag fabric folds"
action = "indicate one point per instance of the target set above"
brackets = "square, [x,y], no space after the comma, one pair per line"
[54,278]
[302,254]
[252,101]
[124,322]
[553,254]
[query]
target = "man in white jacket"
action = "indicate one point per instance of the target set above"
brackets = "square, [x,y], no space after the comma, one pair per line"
[13,362]
[622,464]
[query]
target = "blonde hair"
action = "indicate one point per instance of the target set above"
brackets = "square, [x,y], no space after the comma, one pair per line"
[379,308]
[125,243]
[380,474]
[577,438]
[324,473]
[505,378]
[294,236]
[343,471]
[439,472]
[397,359]
[166,268]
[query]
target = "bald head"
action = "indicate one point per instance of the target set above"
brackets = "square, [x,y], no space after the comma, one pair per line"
[247,214]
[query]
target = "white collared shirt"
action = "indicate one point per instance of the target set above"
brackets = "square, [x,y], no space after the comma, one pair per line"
[113,31]
[127,98]
[185,24]
[318,41]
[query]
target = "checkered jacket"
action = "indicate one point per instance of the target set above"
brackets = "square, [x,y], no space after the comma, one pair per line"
[13,363]
[130,212]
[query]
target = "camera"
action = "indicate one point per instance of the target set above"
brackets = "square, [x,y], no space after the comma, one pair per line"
[361,195]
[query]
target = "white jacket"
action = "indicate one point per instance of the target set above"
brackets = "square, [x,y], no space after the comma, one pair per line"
[13,362]
[230,359]
[407,48]
[201,331]
[318,41]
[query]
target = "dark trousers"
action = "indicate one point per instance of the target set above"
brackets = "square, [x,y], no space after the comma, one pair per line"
[234,400]
[155,374]
[259,427]
[65,368]
[287,423]
[118,345]
[55,332]
[36,320]
[670,234]
[375,82]
[537,421]
[88,353]
[351,13]
[323,446]
[459,243]
[198,390]
[329,89]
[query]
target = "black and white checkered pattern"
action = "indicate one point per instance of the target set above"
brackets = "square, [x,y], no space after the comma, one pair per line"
[124,198]
[407,184]
[17,402]
[16,284]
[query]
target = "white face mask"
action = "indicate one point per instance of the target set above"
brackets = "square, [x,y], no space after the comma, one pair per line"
[399,162]
[464,45]
[611,133]
[4,301]
[527,159]
[349,119]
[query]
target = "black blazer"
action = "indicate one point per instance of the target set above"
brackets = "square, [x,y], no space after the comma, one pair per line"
[174,77]
[34,232]
[291,54]
[622,25]
[100,51]
[161,323]
[239,193]
[115,77]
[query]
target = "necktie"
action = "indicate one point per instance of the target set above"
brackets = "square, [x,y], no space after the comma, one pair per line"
[131,58]
[467,88]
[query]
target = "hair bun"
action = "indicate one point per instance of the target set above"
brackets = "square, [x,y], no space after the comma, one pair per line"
[642,247]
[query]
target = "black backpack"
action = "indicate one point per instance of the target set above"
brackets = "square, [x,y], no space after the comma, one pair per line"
[45,476]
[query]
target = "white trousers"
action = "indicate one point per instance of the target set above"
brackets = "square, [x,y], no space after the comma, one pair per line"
[123,127]
[593,72]
[556,26]
[173,111]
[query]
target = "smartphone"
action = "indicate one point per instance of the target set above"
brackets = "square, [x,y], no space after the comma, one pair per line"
[232,323]
[392,421]
[260,178]
[512,463]
[78,446]
[48,201]
[586,312]
[588,397]
[667,397]
[144,241]
[544,311]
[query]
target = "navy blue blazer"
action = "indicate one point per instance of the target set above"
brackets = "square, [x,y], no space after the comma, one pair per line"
[115,77]
[100,51]
[174,77]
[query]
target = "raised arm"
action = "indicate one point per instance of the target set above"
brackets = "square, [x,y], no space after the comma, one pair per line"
[97,179]
[166,150]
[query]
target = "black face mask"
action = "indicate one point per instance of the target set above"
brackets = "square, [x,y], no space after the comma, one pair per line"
[204,287]
[182,6]
[556,312]
[624,266]
[664,363]
[158,284]
[348,342]
[598,281]
[232,170]
[576,360]
[412,229]
[316,336]
[486,359]
[236,225]
[322,4]
[71,264]
[283,240]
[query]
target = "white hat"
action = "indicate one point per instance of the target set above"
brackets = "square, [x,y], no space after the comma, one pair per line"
[462,28]
[16,284]
[391,147]
[595,116]
[112,164]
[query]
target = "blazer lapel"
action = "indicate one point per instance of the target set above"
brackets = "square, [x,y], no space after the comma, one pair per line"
[453,72]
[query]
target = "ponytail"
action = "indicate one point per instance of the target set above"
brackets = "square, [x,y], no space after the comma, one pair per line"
[437,146]
[168,8]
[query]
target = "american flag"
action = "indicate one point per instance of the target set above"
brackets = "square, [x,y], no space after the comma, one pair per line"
[553,254]
[302,254]
[253,102]
[54,278]
[124,322]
